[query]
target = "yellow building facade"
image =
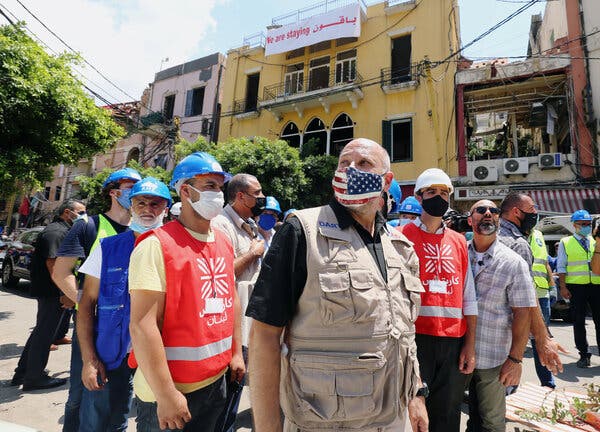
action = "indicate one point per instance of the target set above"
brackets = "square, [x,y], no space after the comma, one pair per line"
[385,84]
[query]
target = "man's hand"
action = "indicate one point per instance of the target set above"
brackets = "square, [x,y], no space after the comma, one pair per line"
[466,360]
[237,367]
[510,373]
[172,411]
[66,302]
[90,373]
[417,412]
[565,293]
[548,350]
[257,248]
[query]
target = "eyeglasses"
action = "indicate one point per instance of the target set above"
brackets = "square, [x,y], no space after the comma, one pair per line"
[80,213]
[483,210]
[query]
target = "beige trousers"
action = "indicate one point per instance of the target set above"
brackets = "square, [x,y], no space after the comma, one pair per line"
[401,424]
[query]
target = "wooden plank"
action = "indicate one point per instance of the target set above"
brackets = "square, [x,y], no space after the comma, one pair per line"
[532,397]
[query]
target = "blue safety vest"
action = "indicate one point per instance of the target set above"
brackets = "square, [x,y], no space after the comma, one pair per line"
[113,308]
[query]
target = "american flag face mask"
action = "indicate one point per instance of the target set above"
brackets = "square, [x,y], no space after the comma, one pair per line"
[354,188]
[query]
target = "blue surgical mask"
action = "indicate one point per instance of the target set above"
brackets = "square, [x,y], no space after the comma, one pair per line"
[585,230]
[404,222]
[124,198]
[137,225]
[267,221]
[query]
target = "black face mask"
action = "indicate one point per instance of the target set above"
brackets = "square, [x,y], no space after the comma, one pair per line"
[259,206]
[435,206]
[528,222]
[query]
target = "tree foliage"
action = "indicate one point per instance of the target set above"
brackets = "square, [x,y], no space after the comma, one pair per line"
[46,118]
[276,165]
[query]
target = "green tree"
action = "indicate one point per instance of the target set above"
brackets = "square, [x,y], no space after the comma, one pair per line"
[46,118]
[318,171]
[91,187]
[296,180]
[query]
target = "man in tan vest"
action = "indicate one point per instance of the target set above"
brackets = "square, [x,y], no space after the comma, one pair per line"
[347,293]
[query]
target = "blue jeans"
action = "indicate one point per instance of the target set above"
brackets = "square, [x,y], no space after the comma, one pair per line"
[107,409]
[545,376]
[71,421]
[205,405]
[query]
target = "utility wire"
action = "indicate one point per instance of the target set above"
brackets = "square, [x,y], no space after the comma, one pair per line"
[490,30]
[76,52]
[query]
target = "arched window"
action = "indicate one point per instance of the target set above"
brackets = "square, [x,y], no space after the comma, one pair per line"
[134,154]
[291,135]
[315,138]
[342,132]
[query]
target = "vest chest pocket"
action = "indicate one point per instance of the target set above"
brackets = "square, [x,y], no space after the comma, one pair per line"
[346,296]
[341,386]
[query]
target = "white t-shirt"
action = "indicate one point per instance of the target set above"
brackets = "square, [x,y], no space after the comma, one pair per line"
[93,264]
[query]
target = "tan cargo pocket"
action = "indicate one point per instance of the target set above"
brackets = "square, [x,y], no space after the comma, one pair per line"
[341,386]
[364,298]
[415,288]
[336,304]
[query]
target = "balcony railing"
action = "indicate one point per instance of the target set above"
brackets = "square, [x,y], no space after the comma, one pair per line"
[242,106]
[255,40]
[392,77]
[315,9]
[312,84]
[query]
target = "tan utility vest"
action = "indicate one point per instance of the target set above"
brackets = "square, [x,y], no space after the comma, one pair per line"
[351,360]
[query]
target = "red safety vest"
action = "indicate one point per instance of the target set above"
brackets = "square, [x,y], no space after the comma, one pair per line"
[198,322]
[442,257]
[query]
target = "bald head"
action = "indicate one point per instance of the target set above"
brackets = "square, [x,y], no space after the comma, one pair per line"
[363,148]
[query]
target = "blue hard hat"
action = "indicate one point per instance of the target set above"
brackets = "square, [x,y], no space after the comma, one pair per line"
[411,206]
[581,215]
[273,204]
[396,193]
[198,163]
[151,186]
[288,212]
[122,174]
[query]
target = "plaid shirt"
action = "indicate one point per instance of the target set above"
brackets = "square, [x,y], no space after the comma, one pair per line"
[502,282]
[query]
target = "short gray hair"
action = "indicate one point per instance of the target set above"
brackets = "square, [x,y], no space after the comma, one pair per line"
[238,183]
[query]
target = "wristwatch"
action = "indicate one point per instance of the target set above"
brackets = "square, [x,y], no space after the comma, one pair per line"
[423,391]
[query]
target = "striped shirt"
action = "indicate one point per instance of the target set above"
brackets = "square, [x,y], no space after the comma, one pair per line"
[502,282]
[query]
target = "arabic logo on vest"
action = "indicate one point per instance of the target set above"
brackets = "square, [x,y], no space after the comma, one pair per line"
[214,277]
[438,259]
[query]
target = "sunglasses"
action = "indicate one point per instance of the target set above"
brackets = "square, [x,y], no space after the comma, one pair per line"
[80,213]
[483,209]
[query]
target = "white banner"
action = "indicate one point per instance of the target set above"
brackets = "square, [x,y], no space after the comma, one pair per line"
[339,23]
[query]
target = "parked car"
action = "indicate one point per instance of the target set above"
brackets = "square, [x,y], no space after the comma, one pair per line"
[16,261]
[3,246]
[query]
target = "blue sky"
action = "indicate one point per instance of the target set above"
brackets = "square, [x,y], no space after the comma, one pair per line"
[127,39]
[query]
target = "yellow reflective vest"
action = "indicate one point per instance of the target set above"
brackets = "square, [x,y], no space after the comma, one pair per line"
[540,260]
[578,261]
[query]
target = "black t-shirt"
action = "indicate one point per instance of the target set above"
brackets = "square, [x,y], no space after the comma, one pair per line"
[81,237]
[283,272]
[46,247]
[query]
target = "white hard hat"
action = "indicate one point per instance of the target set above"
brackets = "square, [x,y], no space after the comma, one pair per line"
[431,177]
[176,209]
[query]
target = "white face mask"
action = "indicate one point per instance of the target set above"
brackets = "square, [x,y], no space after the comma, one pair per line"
[209,205]
[142,225]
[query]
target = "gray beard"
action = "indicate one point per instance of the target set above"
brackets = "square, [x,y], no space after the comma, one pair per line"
[486,228]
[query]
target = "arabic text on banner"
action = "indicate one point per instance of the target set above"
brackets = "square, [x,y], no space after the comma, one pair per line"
[338,23]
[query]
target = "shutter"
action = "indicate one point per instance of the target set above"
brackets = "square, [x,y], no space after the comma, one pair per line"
[386,136]
[189,99]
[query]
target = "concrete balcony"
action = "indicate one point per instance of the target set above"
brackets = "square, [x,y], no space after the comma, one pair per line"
[286,97]
[400,79]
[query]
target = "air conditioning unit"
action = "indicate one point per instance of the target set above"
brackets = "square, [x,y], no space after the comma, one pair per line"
[550,160]
[512,166]
[483,171]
